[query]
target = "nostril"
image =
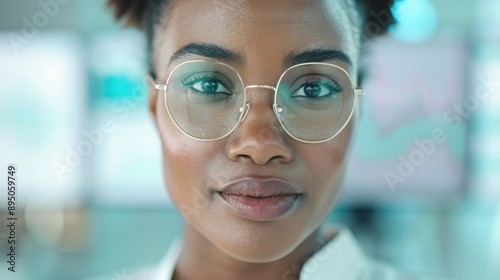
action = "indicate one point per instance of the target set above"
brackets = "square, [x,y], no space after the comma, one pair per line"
[279,158]
[246,157]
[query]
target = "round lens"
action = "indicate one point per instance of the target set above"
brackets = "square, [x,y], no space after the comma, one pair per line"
[315,101]
[204,98]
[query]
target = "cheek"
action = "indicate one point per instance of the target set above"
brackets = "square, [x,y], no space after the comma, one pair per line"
[327,163]
[185,163]
[327,158]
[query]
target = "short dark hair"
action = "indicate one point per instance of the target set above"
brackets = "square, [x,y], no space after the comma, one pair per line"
[137,12]
[145,14]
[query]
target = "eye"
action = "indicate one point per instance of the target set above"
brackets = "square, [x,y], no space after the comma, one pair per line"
[317,89]
[206,84]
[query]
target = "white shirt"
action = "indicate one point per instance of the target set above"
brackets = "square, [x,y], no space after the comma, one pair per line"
[340,258]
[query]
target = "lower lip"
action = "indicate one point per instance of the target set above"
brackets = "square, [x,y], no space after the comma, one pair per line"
[260,209]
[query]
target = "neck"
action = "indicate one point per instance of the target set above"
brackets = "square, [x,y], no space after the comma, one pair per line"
[200,259]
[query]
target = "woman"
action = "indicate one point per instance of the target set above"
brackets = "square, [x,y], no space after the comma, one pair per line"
[254,102]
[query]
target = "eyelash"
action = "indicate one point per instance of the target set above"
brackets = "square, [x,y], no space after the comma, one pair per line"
[334,89]
[191,80]
[330,85]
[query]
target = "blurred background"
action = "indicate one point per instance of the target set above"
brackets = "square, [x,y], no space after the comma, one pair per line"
[422,190]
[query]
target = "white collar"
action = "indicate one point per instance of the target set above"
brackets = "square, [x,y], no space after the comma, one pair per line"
[165,268]
[339,258]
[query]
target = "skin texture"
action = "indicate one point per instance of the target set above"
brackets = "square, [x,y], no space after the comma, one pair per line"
[219,244]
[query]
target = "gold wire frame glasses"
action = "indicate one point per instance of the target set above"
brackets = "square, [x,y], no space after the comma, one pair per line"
[206,100]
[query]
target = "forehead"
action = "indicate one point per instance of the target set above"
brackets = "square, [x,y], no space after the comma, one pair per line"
[262,31]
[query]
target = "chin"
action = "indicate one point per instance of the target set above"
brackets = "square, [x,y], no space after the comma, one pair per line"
[259,253]
[255,244]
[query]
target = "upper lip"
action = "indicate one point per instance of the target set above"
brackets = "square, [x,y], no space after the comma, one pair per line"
[259,187]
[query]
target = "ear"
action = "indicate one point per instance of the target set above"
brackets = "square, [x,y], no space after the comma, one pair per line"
[152,97]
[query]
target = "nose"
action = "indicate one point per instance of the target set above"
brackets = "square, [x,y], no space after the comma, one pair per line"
[259,136]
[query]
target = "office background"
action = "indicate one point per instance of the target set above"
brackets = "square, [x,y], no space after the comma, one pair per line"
[422,190]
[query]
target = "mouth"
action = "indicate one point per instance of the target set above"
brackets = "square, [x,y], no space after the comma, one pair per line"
[260,200]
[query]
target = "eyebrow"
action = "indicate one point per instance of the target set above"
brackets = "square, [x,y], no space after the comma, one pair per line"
[316,55]
[208,50]
[226,55]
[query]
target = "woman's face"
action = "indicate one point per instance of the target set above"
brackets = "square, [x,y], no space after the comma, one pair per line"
[264,34]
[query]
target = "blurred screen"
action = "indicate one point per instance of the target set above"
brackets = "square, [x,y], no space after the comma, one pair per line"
[410,141]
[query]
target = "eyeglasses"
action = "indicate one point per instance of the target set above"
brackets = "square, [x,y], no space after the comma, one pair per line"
[206,100]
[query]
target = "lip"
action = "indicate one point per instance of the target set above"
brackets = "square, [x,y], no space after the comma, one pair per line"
[260,199]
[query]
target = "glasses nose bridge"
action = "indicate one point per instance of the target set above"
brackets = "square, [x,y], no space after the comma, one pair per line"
[273,88]
[260,86]
[246,106]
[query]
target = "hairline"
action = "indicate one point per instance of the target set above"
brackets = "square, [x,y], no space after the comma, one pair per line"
[159,11]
